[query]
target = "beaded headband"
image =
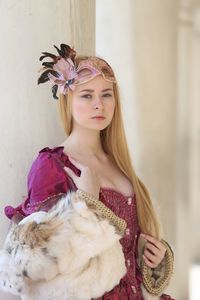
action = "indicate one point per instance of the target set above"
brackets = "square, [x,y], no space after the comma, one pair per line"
[64,73]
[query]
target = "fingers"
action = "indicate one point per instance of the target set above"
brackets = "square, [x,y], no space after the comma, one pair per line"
[75,163]
[152,255]
[151,239]
[154,251]
[87,181]
[154,241]
[70,172]
[149,263]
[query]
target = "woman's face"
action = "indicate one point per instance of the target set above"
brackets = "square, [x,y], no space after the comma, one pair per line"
[91,99]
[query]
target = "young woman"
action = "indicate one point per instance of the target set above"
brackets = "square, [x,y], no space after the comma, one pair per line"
[94,158]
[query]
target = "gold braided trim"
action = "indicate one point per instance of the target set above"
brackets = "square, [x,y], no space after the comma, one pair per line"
[104,211]
[51,199]
[153,285]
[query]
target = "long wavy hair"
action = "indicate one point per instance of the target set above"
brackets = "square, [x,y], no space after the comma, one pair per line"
[117,149]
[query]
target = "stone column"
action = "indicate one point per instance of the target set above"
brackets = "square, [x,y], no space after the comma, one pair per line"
[182,161]
[28,116]
[194,133]
[155,41]
[115,43]
[139,38]
[188,161]
[82,25]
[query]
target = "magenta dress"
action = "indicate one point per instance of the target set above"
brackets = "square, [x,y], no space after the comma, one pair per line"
[47,180]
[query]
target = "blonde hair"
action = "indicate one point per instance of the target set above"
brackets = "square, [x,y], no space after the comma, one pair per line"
[117,149]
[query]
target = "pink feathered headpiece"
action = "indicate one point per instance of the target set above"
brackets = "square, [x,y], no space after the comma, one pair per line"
[64,74]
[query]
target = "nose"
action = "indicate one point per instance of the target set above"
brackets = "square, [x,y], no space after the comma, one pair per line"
[98,103]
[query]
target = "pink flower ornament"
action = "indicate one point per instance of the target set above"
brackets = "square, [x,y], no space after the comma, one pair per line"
[63,73]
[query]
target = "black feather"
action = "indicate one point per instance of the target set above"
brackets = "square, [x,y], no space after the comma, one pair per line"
[48,64]
[63,51]
[47,54]
[54,91]
[58,50]
[66,51]
[44,76]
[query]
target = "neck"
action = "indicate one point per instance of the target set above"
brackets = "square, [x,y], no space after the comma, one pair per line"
[85,142]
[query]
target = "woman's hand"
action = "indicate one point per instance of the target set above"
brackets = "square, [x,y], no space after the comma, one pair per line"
[88,180]
[154,251]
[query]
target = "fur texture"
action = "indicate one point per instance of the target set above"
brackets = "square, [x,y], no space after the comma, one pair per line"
[68,253]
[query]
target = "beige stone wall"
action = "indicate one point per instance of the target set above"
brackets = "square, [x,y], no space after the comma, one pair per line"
[28,115]
[115,42]
[142,40]
[188,142]
[154,48]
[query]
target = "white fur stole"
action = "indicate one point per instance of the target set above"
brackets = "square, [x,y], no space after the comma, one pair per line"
[68,253]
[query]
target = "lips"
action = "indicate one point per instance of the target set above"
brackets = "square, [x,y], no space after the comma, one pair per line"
[98,117]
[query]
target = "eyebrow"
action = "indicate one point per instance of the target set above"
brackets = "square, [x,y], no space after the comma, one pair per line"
[91,91]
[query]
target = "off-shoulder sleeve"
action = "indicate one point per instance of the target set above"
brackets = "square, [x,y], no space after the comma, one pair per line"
[47,181]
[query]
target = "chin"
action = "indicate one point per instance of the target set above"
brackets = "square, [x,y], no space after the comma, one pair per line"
[99,126]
